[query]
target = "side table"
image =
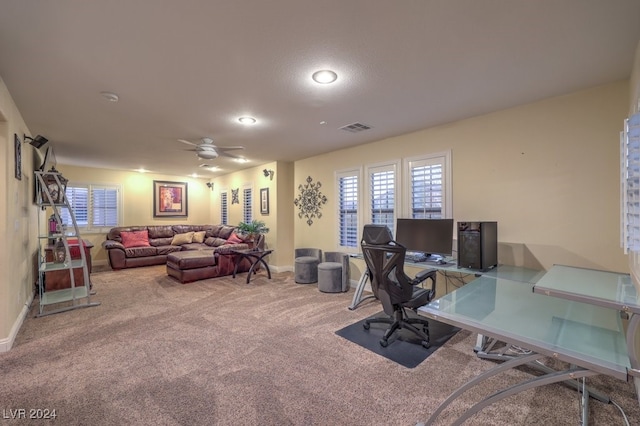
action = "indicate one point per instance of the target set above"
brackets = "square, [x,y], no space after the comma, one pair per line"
[255,256]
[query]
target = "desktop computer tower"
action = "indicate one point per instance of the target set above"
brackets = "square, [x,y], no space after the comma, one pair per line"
[477,245]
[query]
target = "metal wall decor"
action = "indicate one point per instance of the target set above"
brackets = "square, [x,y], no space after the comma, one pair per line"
[18,156]
[310,200]
[234,196]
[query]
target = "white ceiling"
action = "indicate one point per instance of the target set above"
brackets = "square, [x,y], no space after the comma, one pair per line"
[188,69]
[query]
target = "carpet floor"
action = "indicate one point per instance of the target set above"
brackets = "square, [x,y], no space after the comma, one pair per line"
[222,352]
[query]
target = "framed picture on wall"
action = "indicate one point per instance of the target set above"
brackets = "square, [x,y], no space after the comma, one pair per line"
[18,152]
[264,201]
[169,199]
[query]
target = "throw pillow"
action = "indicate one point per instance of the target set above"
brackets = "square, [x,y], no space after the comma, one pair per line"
[198,237]
[234,239]
[180,239]
[135,238]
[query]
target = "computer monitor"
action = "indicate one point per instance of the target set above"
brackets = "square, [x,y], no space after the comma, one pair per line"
[428,236]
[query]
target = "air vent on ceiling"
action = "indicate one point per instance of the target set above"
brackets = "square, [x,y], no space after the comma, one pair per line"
[355,127]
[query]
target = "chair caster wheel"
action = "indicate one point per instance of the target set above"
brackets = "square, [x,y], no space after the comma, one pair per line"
[366,325]
[384,343]
[425,344]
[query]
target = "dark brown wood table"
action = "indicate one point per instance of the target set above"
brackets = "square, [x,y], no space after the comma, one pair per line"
[255,256]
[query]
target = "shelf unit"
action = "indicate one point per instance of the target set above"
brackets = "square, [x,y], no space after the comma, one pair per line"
[50,194]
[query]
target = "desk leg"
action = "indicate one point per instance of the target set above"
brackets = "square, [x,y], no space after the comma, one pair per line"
[357,297]
[554,377]
[632,332]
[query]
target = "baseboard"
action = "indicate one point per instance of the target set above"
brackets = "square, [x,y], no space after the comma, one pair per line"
[7,343]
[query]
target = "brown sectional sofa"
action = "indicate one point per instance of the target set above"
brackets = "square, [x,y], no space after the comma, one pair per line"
[160,238]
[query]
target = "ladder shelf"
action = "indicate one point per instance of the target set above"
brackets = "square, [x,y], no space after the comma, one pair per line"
[51,194]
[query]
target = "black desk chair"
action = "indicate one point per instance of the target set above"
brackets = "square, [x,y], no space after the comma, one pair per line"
[395,290]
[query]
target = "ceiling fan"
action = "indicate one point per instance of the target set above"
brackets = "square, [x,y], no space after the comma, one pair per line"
[207,150]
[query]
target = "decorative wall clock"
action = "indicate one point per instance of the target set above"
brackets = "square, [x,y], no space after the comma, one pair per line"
[310,201]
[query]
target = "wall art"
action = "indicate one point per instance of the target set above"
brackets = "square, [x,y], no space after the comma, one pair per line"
[169,199]
[264,201]
[310,200]
[235,199]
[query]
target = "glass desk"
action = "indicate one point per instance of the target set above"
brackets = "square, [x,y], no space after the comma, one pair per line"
[514,273]
[588,337]
[612,290]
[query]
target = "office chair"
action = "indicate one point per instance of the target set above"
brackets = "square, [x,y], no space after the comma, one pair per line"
[395,290]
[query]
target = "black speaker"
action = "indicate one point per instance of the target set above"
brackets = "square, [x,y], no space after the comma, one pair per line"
[477,245]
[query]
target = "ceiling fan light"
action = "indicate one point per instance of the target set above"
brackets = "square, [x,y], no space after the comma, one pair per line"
[324,76]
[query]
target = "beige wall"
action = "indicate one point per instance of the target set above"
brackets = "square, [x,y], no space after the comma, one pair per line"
[137,200]
[548,172]
[18,219]
[278,237]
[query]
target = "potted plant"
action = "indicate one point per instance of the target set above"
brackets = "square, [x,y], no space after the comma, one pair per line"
[252,230]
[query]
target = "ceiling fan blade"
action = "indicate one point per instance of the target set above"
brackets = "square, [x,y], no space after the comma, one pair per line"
[187,142]
[226,154]
[228,148]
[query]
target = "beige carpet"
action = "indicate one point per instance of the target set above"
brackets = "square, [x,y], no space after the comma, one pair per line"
[221,352]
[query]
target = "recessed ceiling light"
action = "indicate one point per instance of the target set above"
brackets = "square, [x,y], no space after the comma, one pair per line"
[111,97]
[241,160]
[324,76]
[247,120]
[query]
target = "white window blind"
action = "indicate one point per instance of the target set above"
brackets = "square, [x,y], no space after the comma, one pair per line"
[382,193]
[348,209]
[247,211]
[426,186]
[96,207]
[224,208]
[630,151]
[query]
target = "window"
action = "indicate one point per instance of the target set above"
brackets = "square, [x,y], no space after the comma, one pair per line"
[224,208]
[630,184]
[96,207]
[382,195]
[247,211]
[427,195]
[348,209]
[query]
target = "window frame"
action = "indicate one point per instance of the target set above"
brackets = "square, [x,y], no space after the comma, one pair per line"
[224,206]
[247,203]
[90,187]
[444,158]
[346,173]
[393,166]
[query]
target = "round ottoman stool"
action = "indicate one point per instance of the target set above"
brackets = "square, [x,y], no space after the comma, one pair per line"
[306,269]
[330,277]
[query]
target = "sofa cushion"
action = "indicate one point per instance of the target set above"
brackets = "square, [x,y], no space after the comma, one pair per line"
[214,241]
[228,248]
[234,239]
[162,231]
[198,237]
[195,246]
[225,231]
[135,238]
[180,239]
[157,242]
[167,249]
[141,251]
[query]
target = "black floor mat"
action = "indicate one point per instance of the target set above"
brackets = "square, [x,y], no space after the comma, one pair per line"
[404,346]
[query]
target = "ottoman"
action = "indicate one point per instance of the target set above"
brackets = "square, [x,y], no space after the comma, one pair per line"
[192,265]
[330,277]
